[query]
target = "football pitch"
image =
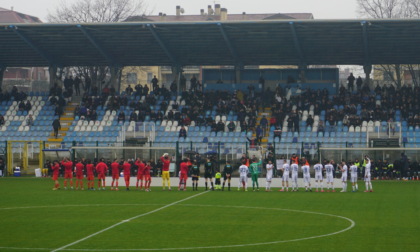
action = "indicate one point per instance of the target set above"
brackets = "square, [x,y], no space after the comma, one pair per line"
[35,218]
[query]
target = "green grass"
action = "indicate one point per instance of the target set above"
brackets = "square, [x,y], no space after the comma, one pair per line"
[34,216]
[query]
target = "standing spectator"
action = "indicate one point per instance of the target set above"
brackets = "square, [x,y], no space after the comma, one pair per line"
[77,82]
[1,120]
[231,126]
[277,132]
[129,90]
[193,82]
[259,134]
[309,121]
[264,124]
[28,106]
[220,127]
[183,132]
[155,82]
[56,126]
[350,81]
[359,83]
[88,83]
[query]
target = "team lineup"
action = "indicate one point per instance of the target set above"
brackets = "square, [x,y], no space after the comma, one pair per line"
[288,173]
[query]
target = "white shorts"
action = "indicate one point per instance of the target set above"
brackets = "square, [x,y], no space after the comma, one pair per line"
[294,177]
[353,179]
[285,177]
[367,177]
[330,178]
[319,177]
[307,179]
[243,179]
[269,178]
[343,178]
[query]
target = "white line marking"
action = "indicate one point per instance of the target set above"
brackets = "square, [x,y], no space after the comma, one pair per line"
[352,224]
[86,205]
[124,221]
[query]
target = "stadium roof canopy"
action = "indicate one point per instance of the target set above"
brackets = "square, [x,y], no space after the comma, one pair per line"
[286,42]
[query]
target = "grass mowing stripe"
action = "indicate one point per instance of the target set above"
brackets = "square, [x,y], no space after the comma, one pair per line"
[124,221]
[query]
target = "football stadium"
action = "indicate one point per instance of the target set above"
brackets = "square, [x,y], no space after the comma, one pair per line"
[209,132]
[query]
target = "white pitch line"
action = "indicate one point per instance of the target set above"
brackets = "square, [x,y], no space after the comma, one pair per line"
[125,221]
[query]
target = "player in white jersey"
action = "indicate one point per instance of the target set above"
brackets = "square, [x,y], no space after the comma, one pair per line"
[318,176]
[269,175]
[344,176]
[295,170]
[353,177]
[329,169]
[367,175]
[285,177]
[306,177]
[243,176]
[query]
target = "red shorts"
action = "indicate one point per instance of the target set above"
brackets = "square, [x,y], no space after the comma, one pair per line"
[55,177]
[68,175]
[126,177]
[101,175]
[147,178]
[140,176]
[115,176]
[79,176]
[183,176]
[90,177]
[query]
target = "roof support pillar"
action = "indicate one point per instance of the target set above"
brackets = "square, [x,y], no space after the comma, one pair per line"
[2,70]
[367,66]
[30,43]
[238,71]
[95,43]
[162,44]
[229,43]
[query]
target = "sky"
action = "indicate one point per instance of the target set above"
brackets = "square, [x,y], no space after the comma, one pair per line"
[321,9]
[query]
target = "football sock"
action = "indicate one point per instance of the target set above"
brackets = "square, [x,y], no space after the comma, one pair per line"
[211,184]
[206,186]
[357,187]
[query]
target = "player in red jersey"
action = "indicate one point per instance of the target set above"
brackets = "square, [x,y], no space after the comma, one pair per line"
[56,170]
[140,170]
[127,173]
[166,161]
[146,176]
[79,175]
[90,175]
[68,172]
[183,175]
[115,166]
[101,169]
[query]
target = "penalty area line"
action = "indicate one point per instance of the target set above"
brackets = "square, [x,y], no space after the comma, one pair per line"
[125,221]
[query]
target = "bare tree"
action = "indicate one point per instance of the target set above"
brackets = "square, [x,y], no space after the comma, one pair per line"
[97,11]
[388,9]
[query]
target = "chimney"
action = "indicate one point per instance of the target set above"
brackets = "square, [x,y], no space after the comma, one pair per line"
[209,10]
[223,14]
[178,10]
[11,8]
[202,12]
[217,9]
[244,15]
[163,17]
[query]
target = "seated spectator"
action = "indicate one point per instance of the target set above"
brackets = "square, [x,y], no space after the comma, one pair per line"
[133,116]
[309,121]
[213,126]
[1,120]
[220,126]
[277,132]
[321,126]
[22,106]
[231,126]
[53,100]
[183,132]
[29,120]
[93,115]
[28,106]
[121,117]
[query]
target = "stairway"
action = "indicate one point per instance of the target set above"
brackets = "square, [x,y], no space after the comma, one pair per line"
[267,113]
[65,120]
